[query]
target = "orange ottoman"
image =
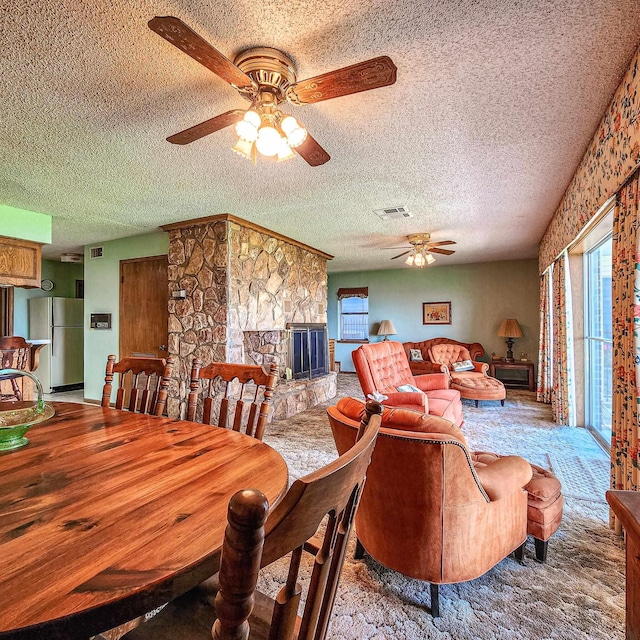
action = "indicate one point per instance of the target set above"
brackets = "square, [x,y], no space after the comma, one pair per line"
[545,502]
[544,511]
[479,388]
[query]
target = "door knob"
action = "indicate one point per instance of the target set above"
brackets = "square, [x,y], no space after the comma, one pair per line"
[163,347]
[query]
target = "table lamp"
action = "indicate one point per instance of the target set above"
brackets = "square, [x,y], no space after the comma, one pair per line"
[386,328]
[510,328]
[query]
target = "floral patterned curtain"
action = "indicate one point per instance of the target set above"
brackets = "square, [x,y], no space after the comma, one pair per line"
[626,338]
[544,386]
[563,396]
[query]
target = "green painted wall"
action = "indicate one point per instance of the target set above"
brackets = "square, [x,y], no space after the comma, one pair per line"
[63,275]
[102,295]
[481,296]
[27,225]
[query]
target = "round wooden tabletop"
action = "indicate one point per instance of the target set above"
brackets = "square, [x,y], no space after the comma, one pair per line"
[106,514]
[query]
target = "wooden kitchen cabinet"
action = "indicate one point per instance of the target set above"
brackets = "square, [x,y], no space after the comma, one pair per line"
[20,262]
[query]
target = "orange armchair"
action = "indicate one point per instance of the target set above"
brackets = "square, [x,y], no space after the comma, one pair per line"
[426,511]
[383,367]
[446,354]
[475,384]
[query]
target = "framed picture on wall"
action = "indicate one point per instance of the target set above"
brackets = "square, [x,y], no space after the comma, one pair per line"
[436,313]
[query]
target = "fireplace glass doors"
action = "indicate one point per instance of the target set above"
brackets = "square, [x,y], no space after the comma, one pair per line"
[308,350]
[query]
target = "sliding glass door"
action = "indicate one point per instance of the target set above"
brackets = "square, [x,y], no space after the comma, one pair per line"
[598,340]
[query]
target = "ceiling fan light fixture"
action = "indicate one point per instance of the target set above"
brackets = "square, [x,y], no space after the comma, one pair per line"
[296,134]
[410,259]
[284,151]
[243,147]
[247,129]
[419,260]
[268,141]
[429,258]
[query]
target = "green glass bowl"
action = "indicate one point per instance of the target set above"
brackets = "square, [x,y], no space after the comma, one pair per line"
[17,417]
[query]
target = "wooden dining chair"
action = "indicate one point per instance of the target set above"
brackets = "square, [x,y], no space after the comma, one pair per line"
[241,395]
[254,540]
[15,353]
[143,384]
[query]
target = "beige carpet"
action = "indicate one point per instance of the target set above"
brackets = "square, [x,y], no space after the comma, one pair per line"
[577,593]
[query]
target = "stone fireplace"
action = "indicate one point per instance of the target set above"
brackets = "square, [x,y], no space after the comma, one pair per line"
[234,289]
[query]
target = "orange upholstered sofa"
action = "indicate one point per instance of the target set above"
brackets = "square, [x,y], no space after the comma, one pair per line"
[475,349]
[383,367]
[431,509]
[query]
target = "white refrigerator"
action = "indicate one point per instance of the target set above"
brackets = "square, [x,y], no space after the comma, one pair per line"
[59,320]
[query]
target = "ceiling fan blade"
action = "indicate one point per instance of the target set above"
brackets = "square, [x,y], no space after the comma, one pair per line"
[439,244]
[371,74]
[312,152]
[180,35]
[205,128]
[400,255]
[444,252]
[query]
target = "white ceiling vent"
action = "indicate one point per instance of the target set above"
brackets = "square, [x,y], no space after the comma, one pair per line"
[393,213]
[95,252]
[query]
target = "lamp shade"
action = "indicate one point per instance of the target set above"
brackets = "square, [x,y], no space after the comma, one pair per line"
[386,328]
[510,328]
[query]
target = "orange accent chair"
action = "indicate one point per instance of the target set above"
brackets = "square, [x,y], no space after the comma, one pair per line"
[382,367]
[475,384]
[431,509]
[422,363]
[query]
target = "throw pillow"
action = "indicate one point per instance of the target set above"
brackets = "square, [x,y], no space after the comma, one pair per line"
[415,355]
[406,388]
[463,365]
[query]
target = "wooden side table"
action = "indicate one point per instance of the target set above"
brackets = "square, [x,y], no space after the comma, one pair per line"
[502,371]
[626,506]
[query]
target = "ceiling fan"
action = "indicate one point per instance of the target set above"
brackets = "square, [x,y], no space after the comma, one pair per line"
[267,77]
[421,250]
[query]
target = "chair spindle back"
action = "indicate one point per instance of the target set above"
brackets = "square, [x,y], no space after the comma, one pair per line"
[148,388]
[248,407]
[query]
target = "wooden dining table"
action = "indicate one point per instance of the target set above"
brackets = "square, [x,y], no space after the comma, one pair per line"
[108,514]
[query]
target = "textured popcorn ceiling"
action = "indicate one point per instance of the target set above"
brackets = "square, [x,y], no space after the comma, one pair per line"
[494,106]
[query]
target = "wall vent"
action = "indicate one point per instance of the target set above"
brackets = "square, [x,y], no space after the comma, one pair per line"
[393,213]
[95,252]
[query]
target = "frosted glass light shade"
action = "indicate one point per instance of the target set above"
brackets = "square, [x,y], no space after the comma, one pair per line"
[430,259]
[268,141]
[284,151]
[296,135]
[247,130]
[253,117]
[409,260]
[243,147]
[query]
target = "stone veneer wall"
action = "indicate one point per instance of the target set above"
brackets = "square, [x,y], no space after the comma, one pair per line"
[243,283]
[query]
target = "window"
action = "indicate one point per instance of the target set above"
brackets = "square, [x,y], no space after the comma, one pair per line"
[598,340]
[354,314]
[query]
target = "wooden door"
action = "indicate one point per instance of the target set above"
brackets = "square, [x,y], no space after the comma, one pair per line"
[144,315]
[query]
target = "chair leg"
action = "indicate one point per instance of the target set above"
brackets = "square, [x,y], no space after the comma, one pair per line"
[435,600]
[519,553]
[502,403]
[476,403]
[359,554]
[541,549]
[16,390]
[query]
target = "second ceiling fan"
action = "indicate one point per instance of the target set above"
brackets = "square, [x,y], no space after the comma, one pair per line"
[267,77]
